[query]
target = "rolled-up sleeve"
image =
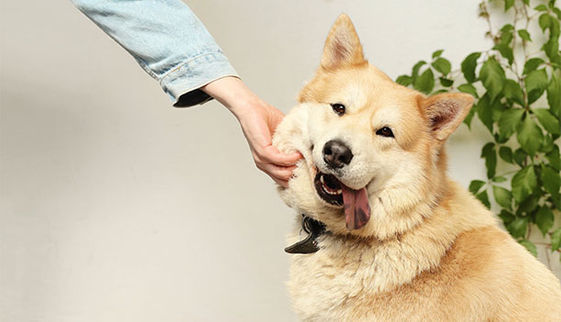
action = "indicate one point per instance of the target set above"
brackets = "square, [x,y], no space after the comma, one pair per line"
[168,41]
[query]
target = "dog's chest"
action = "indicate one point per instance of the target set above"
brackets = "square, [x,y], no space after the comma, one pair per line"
[346,281]
[335,283]
[320,289]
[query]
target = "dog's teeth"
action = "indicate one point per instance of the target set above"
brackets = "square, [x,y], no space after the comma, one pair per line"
[331,192]
[327,189]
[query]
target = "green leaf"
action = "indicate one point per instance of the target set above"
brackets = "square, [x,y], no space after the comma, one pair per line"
[484,198]
[551,179]
[557,12]
[554,158]
[404,80]
[475,186]
[499,139]
[532,64]
[502,196]
[544,219]
[508,4]
[513,91]
[445,82]
[506,153]
[488,152]
[536,82]
[492,76]
[551,48]
[468,66]
[554,29]
[416,68]
[506,216]
[529,136]
[469,117]
[507,28]
[545,21]
[499,179]
[442,65]
[509,121]
[529,246]
[437,53]
[556,200]
[506,52]
[547,144]
[485,111]
[556,239]
[529,204]
[536,79]
[524,34]
[554,94]
[498,110]
[541,7]
[425,82]
[468,88]
[517,228]
[506,39]
[548,121]
[524,183]
[520,156]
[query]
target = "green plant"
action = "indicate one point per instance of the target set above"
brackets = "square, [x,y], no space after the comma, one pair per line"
[509,81]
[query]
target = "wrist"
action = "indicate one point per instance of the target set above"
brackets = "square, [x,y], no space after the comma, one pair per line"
[233,94]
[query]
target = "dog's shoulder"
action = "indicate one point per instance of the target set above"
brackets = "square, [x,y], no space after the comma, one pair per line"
[488,274]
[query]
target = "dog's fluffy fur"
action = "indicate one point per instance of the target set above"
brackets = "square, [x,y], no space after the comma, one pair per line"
[430,251]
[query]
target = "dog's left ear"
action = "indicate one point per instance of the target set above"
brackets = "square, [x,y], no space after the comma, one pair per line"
[342,47]
[445,112]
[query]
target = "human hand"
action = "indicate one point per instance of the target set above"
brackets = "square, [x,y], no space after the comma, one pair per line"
[258,120]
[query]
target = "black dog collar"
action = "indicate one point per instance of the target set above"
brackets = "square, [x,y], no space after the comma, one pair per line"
[308,245]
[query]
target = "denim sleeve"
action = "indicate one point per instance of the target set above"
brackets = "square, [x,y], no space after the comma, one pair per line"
[167,40]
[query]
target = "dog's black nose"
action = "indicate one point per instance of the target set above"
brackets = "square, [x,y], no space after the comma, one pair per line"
[336,154]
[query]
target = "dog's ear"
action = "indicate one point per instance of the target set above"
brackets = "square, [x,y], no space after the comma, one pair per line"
[445,112]
[342,47]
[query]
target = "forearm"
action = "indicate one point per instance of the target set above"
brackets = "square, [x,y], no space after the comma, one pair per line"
[167,40]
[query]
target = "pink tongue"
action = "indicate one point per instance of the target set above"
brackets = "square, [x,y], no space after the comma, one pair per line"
[357,209]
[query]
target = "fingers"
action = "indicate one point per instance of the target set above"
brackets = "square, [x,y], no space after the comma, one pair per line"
[281,183]
[280,175]
[272,155]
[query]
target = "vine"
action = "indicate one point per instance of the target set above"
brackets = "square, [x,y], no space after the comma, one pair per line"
[509,81]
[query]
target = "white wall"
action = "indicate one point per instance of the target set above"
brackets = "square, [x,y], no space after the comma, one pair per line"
[114,206]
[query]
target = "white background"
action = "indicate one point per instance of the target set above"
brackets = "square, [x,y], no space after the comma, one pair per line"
[115,206]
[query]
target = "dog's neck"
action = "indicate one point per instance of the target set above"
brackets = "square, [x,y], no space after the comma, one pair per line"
[399,258]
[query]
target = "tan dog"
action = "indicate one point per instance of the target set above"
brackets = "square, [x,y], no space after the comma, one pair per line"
[403,241]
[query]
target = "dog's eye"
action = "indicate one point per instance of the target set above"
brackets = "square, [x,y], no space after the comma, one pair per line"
[338,108]
[385,131]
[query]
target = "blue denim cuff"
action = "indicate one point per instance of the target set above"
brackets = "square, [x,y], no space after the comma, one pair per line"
[183,83]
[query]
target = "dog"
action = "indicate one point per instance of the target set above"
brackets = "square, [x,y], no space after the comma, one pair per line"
[387,235]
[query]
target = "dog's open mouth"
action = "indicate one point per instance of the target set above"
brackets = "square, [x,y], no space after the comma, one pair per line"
[329,189]
[354,202]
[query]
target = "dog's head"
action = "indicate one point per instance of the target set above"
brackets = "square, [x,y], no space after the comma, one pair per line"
[374,161]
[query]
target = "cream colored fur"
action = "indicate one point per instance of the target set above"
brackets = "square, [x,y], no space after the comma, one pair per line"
[430,251]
